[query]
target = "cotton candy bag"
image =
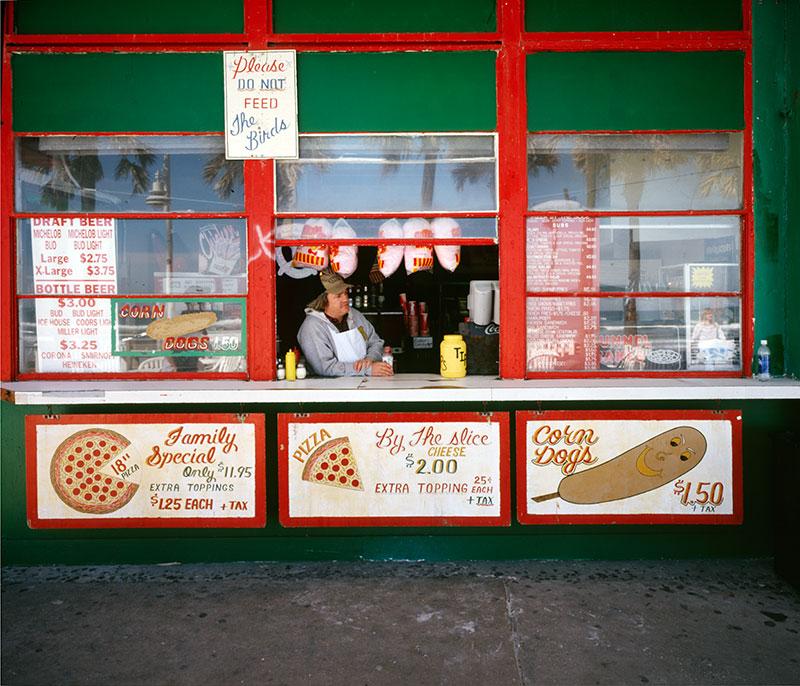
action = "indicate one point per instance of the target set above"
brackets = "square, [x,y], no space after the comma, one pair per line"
[314,256]
[449,256]
[390,256]
[418,257]
[344,258]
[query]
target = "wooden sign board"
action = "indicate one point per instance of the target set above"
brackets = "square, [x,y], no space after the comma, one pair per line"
[418,469]
[635,467]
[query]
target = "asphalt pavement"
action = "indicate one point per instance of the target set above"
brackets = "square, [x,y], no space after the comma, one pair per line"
[385,623]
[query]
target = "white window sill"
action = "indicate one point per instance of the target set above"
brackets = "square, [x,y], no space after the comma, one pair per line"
[418,388]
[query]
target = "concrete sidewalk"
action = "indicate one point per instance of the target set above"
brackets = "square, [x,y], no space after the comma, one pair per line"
[696,622]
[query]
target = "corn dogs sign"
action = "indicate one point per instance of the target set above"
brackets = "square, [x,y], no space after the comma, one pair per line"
[629,467]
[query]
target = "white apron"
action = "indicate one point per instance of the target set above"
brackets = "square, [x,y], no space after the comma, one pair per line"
[350,346]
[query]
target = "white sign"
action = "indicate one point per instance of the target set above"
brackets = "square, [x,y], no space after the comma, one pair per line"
[399,471]
[261,105]
[178,470]
[653,469]
[74,335]
[74,256]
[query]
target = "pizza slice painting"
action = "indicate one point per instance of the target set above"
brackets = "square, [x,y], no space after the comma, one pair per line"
[334,464]
[76,472]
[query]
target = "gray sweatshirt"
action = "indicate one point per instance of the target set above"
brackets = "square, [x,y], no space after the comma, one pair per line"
[316,340]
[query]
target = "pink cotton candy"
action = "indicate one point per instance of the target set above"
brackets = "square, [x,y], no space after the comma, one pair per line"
[390,256]
[449,256]
[314,256]
[344,258]
[418,257]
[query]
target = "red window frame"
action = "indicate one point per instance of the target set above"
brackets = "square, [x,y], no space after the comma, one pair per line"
[511,43]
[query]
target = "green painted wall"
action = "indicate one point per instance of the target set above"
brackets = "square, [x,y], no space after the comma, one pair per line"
[401,91]
[619,91]
[633,15]
[368,16]
[129,16]
[776,162]
[763,421]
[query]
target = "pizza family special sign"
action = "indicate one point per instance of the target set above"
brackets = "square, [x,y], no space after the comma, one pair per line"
[148,471]
[394,469]
[636,466]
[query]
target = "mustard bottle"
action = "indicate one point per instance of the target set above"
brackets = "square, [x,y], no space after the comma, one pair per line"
[291,366]
[453,356]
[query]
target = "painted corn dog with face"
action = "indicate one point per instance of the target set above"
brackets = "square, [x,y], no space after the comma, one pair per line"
[647,466]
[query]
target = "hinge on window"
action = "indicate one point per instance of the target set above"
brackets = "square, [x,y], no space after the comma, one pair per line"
[301,414]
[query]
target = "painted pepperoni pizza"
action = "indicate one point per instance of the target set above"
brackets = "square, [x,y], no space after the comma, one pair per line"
[333,464]
[78,476]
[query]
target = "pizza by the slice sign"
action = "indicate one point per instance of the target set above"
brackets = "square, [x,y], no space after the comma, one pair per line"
[82,475]
[334,464]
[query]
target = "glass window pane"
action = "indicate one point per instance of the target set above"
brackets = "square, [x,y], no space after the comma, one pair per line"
[148,335]
[689,254]
[383,173]
[142,255]
[633,334]
[127,174]
[352,227]
[635,172]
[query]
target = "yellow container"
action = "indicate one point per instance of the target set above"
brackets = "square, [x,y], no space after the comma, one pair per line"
[291,366]
[453,357]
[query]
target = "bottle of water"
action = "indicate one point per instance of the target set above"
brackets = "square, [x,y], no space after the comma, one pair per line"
[763,361]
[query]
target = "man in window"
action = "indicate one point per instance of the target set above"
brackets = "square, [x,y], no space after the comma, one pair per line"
[337,340]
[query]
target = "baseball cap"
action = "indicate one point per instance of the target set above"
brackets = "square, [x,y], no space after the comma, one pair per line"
[332,282]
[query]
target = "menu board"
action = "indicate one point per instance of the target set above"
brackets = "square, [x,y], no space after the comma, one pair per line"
[649,467]
[193,470]
[561,256]
[261,105]
[433,469]
[74,258]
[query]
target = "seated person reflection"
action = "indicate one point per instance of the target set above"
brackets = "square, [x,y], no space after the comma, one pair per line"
[707,328]
[337,340]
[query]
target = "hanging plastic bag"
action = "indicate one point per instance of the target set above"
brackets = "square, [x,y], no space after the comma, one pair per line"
[449,256]
[418,257]
[390,256]
[344,258]
[314,256]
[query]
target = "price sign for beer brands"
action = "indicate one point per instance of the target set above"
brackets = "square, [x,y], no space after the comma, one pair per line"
[394,470]
[74,258]
[260,104]
[96,471]
[633,467]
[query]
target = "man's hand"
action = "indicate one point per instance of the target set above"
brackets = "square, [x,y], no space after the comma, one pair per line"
[358,365]
[381,369]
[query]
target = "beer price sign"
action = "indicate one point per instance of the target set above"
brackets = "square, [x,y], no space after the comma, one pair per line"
[394,470]
[629,467]
[95,471]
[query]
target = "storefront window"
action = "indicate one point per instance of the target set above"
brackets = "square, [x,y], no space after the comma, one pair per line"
[636,172]
[96,289]
[624,335]
[389,173]
[127,174]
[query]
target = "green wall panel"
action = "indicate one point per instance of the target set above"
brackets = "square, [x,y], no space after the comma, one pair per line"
[401,91]
[129,16]
[368,16]
[632,15]
[627,90]
[763,421]
[118,92]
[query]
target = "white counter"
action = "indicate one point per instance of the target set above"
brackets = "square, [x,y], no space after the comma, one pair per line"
[405,388]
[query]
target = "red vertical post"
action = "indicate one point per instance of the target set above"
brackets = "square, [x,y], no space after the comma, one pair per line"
[259,194]
[512,164]
[748,229]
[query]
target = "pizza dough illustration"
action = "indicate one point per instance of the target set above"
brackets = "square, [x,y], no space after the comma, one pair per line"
[182,325]
[645,467]
[334,464]
[75,472]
